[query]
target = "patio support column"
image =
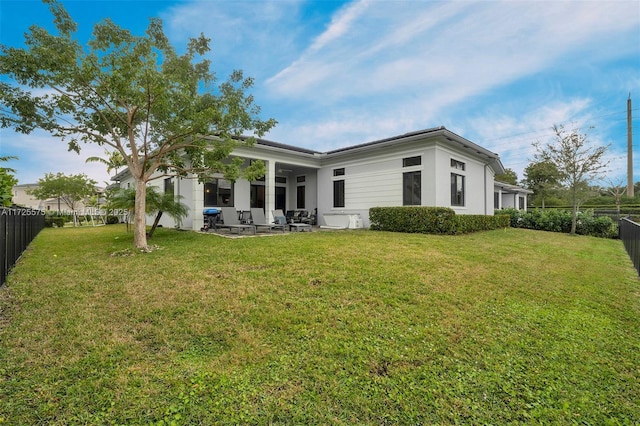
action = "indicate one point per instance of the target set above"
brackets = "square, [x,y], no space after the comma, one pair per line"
[197,195]
[270,190]
[500,199]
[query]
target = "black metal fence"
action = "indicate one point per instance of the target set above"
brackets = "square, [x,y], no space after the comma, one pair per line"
[18,227]
[630,235]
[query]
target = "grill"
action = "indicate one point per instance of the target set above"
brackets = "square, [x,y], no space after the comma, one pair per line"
[210,218]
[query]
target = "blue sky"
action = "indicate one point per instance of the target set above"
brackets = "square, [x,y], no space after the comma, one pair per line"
[334,74]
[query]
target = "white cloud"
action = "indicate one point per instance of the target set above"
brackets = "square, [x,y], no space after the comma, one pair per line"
[513,138]
[468,47]
[394,67]
[340,24]
[39,153]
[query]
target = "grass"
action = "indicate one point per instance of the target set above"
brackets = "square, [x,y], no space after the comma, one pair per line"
[509,326]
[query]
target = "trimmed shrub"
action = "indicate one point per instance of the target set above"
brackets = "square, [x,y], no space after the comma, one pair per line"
[597,226]
[50,221]
[112,220]
[468,223]
[432,220]
[555,220]
[418,219]
[514,216]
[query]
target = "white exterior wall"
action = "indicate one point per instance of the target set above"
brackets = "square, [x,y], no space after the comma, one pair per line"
[373,181]
[376,181]
[478,185]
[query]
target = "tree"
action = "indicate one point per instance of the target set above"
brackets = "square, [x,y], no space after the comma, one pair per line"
[542,178]
[156,203]
[7,182]
[576,161]
[509,176]
[113,160]
[617,189]
[165,203]
[71,189]
[123,200]
[135,95]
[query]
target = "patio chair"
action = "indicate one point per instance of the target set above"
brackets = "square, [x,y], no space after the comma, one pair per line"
[279,217]
[259,221]
[230,220]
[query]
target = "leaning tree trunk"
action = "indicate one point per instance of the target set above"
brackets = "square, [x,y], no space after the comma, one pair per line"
[140,216]
[155,224]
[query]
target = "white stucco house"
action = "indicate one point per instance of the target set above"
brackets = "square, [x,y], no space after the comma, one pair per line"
[432,167]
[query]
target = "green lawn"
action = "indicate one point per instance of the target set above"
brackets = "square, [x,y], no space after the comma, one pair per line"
[356,327]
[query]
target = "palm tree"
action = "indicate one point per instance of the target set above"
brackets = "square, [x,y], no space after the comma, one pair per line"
[155,202]
[114,160]
[165,203]
[123,200]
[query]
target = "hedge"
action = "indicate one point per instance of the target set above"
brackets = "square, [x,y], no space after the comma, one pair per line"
[555,220]
[112,220]
[50,221]
[431,220]
[468,223]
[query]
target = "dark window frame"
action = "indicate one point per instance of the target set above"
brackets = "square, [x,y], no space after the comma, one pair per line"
[168,186]
[300,196]
[458,165]
[216,195]
[412,188]
[338,193]
[412,161]
[457,196]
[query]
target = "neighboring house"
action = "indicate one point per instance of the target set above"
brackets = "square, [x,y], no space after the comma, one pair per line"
[21,197]
[432,167]
[510,196]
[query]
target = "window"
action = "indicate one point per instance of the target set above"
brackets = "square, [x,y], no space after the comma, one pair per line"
[496,200]
[218,192]
[521,203]
[301,179]
[411,188]
[281,197]
[168,186]
[300,190]
[338,172]
[459,165]
[256,196]
[338,193]
[281,179]
[412,161]
[457,190]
